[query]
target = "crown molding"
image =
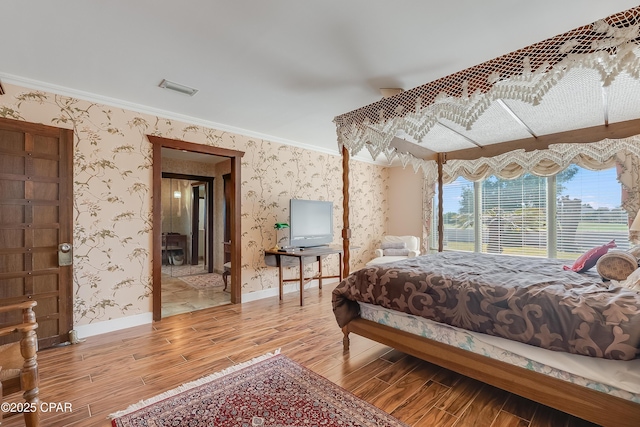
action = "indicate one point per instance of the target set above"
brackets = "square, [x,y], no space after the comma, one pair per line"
[139,108]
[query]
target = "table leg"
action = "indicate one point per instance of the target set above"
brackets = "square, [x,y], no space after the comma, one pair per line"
[280,282]
[301,281]
[320,271]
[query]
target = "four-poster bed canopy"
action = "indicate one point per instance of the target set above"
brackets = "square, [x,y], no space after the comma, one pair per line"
[531,110]
[578,87]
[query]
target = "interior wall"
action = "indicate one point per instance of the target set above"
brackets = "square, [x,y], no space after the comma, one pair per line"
[405,202]
[113,191]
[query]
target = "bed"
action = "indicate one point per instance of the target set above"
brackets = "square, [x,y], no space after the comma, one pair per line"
[561,338]
[530,300]
[524,112]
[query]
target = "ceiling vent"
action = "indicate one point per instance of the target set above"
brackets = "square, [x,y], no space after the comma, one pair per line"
[166,84]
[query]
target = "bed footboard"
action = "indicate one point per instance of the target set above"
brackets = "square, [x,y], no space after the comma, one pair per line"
[573,399]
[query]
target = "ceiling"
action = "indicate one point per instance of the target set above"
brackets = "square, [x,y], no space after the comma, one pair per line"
[278,69]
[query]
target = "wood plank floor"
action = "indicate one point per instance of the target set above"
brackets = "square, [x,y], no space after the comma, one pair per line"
[109,372]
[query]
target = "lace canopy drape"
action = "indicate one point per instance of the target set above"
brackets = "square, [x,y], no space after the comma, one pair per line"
[610,46]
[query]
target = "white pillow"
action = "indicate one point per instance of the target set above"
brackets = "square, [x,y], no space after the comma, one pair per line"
[632,282]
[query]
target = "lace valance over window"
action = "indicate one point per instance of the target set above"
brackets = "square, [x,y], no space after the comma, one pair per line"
[548,162]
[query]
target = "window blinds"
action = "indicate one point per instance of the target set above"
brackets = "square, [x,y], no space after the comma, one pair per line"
[589,213]
[515,217]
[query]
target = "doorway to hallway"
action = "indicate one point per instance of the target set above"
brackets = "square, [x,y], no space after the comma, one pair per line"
[191,161]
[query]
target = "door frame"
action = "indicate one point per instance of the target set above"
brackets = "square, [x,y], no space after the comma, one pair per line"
[236,255]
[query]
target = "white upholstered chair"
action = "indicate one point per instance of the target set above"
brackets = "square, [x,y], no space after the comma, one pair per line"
[396,248]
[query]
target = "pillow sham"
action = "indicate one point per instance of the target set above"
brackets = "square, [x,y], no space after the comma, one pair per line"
[616,265]
[590,258]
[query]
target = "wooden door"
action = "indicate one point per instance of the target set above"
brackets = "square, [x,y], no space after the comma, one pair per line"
[36,173]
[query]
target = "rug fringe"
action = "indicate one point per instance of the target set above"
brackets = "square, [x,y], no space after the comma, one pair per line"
[188,386]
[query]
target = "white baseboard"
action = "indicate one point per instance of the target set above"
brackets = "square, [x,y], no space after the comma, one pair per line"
[273,292]
[113,325]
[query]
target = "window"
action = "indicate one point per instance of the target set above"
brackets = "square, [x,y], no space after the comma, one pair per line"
[514,216]
[589,213]
[457,216]
[560,217]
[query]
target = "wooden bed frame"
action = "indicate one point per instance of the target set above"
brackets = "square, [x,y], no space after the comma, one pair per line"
[582,402]
[353,129]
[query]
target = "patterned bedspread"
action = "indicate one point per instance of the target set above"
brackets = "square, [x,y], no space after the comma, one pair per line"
[532,300]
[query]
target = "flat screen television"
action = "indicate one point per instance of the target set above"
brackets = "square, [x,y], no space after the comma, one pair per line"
[310,223]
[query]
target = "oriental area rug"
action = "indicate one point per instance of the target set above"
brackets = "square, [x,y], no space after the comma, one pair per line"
[183,270]
[270,391]
[204,281]
[194,276]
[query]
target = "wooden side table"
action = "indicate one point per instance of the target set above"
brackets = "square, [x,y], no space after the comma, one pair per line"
[301,254]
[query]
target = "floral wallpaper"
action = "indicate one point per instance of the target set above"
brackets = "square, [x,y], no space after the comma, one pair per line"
[113,190]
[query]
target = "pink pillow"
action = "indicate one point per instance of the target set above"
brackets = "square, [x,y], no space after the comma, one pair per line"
[590,258]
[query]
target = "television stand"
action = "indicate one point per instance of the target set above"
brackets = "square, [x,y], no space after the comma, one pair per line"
[301,253]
